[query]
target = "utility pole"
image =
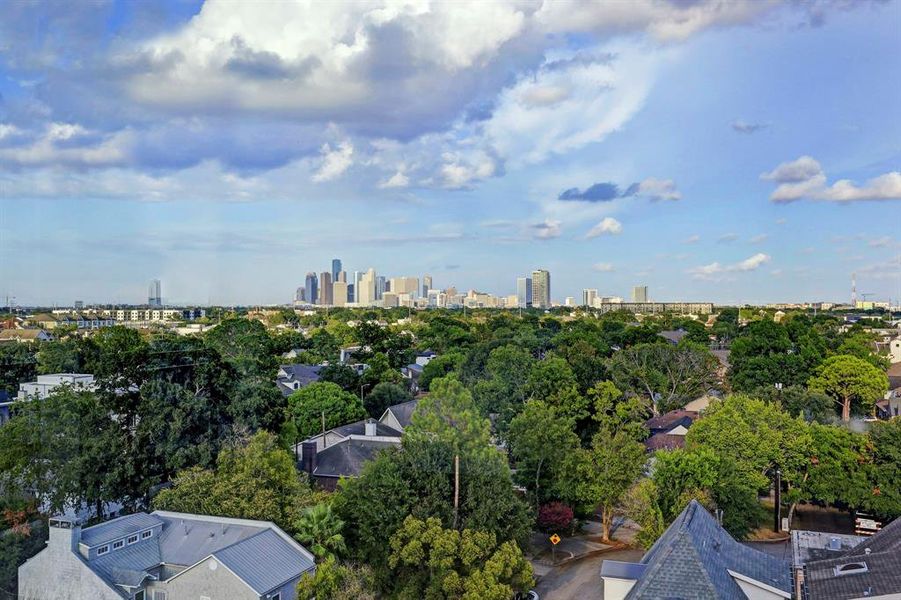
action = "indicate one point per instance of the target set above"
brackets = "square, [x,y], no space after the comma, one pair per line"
[456,488]
[323,429]
[777,509]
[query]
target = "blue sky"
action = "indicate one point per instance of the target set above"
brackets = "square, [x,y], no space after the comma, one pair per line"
[732,152]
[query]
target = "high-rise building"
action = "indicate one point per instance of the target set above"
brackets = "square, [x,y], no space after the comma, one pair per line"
[342,276]
[300,295]
[339,293]
[325,288]
[524,292]
[365,290]
[588,297]
[351,292]
[154,293]
[381,286]
[640,293]
[336,268]
[312,287]
[541,288]
[405,285]
[426,285]
[79,304]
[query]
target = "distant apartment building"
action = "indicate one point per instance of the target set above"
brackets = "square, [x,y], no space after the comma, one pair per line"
[46,384]
[640,293]
[365,290]
[153,315]
[381,286]
[166,556]
[311,284]
[426,285]
[155,293]
[73,318]
[405,285]
[541,288]
[524,291]
[653,308]
[588,297]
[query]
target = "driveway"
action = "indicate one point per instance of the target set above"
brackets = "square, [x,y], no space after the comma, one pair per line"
[581,579]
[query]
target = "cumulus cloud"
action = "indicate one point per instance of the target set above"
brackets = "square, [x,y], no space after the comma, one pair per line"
[744,127]
[727,237]
[602,267]
[716,270]
[334,161]
[398,180]
[607,226]
[760,237]
[804,178]
[655,189]
[692,239]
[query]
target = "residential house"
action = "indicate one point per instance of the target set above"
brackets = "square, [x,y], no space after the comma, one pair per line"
[46,384]
[291,378]
[894,376]
[166,556]
[326,464]
[667,431]
[890,406]
[847,567]
[413,371]
[398,416]
[696,558]
[24,335]
[673,336]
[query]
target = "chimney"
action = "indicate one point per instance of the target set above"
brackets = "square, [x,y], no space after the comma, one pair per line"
[308,456]
[371,427]
[65,532]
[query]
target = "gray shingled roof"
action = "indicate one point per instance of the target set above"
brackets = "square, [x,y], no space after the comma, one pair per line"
[359,428]
[347,457]
[118,528]
[265,561]
[403,412]
[693,557]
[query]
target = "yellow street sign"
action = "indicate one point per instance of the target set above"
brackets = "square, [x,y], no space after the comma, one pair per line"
[555,539]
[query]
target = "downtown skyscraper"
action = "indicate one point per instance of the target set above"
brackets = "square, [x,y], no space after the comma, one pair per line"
[541,289]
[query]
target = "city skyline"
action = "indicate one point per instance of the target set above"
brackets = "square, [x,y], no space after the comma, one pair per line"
[742,152]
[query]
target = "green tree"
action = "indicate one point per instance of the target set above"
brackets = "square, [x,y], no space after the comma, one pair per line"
[17,365]
[343,375]
[449,414]
[440,366]
[600,476]
[434,563]
[307,405]
[640,503]
[383,395]
[885,495]
[665,376]
[337,581]
[539,441]
[256,480]
[852,382]
[319,529]
[245,344]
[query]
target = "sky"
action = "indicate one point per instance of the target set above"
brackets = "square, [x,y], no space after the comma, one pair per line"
[733,152]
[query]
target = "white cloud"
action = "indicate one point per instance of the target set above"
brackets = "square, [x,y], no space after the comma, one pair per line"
[717,270]
[727,237]
[692,239]
[659,189]
[398,180]
[805,178]
[602,267]
[607,226]
[760,237]
[67,144]
[334,161]
[548,230]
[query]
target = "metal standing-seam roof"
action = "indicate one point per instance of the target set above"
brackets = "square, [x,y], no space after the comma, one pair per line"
[265,561]
[693,557]
[118,528]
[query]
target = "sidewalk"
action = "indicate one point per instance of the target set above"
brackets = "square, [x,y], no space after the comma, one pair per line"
[572,548]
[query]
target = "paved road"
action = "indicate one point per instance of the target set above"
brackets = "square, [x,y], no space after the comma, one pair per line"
[581,580]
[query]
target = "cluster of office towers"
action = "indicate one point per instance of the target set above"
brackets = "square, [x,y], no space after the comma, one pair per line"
[361,288]
[534,291]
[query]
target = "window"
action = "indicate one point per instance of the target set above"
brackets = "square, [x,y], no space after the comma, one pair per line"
[139,595]
[278,596]
[132,539]
[118,544]
[102,550]
[146,534]
[850,569]
[159,595]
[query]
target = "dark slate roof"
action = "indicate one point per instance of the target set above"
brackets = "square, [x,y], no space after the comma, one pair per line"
[118,528]
[623,570]
[359,428]
[670,420]
[664,441]
[415,368]
[305,374]
[674,336]
[4,396]
[886,539]
[881,578]
[403,412]
[265,561]
[347,457]
[693,557]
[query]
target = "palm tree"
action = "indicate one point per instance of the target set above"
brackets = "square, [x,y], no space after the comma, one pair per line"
[320,530]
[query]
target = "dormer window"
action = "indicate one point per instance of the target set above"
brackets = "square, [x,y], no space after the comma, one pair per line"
[132,539]
[118,544]
[146,534]
[103,550]
[850,569]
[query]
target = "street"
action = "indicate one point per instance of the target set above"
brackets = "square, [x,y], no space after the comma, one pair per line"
[581,579]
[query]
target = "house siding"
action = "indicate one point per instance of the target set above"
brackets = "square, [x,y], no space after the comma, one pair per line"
[203,580]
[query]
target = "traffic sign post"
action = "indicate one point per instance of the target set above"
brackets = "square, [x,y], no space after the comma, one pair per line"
[555,539]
